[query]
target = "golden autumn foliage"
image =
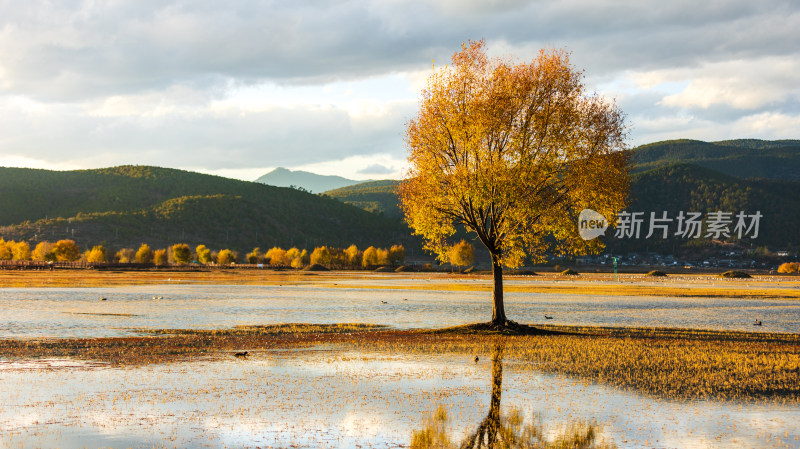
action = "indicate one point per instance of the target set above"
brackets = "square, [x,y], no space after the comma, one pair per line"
[203,254]
[226,257]
[353,256]
[21,251]
[253,256]
[125,255]
[277,256]
[292,253]
[383,256]
[66,250]
[297,262]
[11,250]
[160,257]
[43,251]
[321,255]
[97,254]
[396,255]
[181,253]
[144,254]
[370,257]
[789,267]
[513,153]
[461,254]
[6,250]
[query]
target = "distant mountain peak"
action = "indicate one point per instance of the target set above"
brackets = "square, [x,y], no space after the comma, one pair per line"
[284,177]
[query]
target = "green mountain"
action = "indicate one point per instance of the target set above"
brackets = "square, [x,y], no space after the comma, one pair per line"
[282,177]
[373,196]
[125,206]
[745,158]
[692,188]
[682,175]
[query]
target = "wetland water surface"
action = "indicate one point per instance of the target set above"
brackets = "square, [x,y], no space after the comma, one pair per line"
[79,312]
[339,397]
[328,398]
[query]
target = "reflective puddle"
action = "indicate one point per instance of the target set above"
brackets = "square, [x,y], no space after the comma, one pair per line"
[329,398]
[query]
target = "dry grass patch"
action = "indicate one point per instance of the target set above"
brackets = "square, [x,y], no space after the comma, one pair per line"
[666,363]
[109,278]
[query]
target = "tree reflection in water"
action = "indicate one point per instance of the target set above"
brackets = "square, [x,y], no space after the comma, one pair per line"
[496,431]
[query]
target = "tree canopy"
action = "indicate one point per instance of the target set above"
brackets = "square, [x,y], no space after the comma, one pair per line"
[513,153]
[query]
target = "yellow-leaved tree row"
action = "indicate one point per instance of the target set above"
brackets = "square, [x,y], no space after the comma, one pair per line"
[512,153]
[182,254]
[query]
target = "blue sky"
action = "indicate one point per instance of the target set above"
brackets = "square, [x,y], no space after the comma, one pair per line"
[237,88]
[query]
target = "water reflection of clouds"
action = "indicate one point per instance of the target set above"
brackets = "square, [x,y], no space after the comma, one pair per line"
[324,399]
[629,417]
[20,421]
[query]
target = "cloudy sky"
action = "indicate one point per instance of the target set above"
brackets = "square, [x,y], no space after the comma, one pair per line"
[237,88]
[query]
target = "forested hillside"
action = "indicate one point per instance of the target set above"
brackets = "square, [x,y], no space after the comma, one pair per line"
[128,205]
[745,158]
[683,175]
[691,188]
[374,196]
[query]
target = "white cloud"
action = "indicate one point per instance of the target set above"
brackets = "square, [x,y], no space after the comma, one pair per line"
[359,167]
[740,84]
[147,130]
[377,169]
[773,125]
[22,161]
[238,86]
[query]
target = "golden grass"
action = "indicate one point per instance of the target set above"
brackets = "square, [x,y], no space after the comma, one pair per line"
[273,329]
[665,363]
[599,289]
[102,278]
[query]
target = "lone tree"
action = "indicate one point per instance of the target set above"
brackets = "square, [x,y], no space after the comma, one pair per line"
[513,153]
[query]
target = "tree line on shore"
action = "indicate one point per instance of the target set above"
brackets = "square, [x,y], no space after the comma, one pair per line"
[181,254]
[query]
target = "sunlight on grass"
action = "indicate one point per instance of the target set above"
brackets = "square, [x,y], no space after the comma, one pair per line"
[593,284]
[675,364]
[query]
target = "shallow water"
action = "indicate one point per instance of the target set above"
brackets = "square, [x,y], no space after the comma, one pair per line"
[79,312]
[325,398]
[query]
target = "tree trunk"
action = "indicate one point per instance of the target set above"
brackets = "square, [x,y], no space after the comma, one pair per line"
[498,310]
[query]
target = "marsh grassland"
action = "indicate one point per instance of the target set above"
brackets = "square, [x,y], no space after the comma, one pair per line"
[392,377]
